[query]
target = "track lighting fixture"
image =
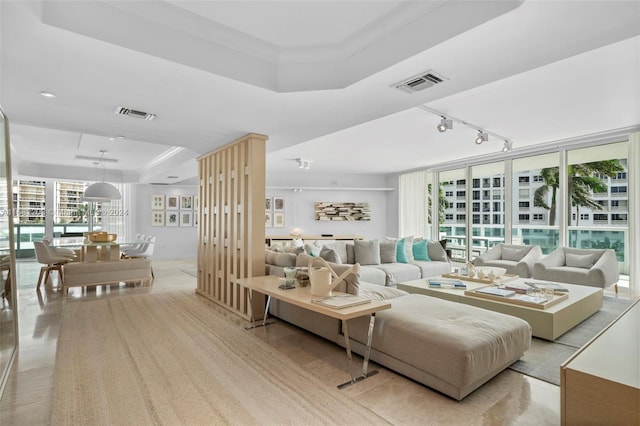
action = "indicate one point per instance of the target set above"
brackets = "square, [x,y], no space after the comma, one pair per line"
[445,124]
[482,137]
[304,164]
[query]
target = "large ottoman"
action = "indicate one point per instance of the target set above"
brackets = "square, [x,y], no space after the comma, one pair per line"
[448,346]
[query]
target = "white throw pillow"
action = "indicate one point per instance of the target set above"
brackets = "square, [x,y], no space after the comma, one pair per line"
[579,260]
[512,254]
[367,252]
[387,252]
[330,255]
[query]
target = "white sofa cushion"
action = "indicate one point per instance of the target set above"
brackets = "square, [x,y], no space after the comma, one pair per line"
[367,252]
[387,252]
[579,261]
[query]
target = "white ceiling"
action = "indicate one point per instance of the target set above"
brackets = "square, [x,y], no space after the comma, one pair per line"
[316,77]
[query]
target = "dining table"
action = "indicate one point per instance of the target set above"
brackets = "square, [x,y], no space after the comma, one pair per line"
[93,251]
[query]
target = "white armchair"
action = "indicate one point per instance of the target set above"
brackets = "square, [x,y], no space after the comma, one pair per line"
[516,259]
[591,267]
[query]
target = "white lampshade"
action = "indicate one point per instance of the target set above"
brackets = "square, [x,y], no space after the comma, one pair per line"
[101,191]
[296,232]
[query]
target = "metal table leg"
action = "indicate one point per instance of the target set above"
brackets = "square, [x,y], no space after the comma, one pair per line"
[253,319]
[365,362]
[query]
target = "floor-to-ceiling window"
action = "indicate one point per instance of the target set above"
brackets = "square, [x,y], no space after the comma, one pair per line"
[534,201]
[598,199]
[453,217]
[487,206]
[56,208]
[551,196]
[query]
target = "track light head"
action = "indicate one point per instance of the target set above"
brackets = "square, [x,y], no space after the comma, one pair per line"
[508,146]
[482,137]
[444,125]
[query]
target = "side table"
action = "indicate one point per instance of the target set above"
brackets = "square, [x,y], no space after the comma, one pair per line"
[302,297]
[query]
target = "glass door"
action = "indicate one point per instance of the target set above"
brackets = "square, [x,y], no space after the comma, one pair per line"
[8,308]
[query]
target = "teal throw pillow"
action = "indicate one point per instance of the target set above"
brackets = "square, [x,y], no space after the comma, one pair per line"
[421,250]
[401,254]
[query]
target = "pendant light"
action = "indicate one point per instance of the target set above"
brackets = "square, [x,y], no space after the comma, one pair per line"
[101,191]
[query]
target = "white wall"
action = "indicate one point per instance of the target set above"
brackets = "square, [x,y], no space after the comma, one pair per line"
[300,206]
[181,242]
[171,242]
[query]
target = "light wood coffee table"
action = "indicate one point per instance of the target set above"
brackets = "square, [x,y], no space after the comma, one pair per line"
[302,297]
[549,323]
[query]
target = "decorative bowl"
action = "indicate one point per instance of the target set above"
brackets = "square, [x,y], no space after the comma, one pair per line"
[101,237]
[498,272]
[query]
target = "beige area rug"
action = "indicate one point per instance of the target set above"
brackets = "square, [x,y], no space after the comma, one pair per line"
[171,359]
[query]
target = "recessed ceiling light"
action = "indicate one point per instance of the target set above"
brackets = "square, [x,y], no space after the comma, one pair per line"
[47,94]
[119,137]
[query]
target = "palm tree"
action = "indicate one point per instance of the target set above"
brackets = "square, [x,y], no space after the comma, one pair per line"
[581,184]
[81,211]
[442,204]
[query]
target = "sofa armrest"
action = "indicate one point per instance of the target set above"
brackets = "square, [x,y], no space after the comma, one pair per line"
[555,258]
[529,259]
[607,265]
[494,253]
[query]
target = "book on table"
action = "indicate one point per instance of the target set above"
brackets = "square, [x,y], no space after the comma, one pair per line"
[531,299]
[494,291]
[543,284]
[446,283]
[340,301]
[521,288]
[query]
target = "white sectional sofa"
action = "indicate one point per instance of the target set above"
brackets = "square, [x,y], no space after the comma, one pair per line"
[375,269]
[450,347]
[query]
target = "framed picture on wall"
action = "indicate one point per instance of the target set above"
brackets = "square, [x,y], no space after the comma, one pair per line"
[173,219]
[278,204]
[278,220]
[268,219]
[196,202]
[157,202]
[172,202]
[186,202]
[186,218]
[157,218]
[267,204]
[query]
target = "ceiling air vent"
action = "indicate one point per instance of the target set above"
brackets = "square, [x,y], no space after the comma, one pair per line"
[134,113]
[420,82]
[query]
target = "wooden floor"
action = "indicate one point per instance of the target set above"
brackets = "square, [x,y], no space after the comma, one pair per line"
[509,399]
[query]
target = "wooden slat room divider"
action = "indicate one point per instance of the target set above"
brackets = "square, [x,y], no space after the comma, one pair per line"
[231,231]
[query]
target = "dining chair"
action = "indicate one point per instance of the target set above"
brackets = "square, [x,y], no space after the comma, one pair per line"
[145,252]
[127,249]
[50,261]
[59,251]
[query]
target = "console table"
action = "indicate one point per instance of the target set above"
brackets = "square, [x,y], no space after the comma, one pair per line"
[269,240]
[600,384]
[302,297]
